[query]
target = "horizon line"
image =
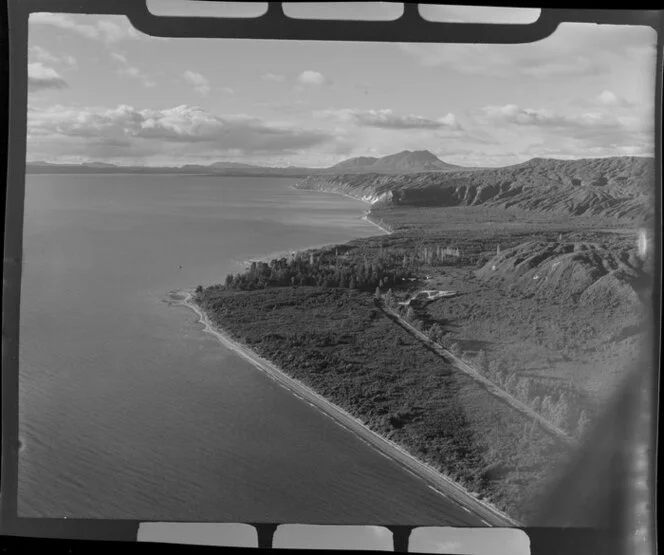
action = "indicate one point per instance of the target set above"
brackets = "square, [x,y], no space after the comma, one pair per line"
[292,166]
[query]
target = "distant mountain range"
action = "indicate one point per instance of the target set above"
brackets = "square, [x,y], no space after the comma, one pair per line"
[617,187]
[403,162]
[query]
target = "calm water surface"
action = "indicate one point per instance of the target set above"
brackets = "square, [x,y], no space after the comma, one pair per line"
[129,410]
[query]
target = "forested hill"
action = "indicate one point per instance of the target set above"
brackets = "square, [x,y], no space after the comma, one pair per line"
[621,187]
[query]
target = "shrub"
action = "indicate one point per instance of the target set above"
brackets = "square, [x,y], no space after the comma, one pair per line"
[583,424]
[482,363]
[510,382]
[561,412]
[435,332]
[536,404]
[495,366]
[547,407]
[523,389]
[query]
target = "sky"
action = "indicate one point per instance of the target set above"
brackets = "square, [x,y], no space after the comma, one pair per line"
[99,90]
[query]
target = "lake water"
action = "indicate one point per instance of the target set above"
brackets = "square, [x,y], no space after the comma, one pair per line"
[128,410]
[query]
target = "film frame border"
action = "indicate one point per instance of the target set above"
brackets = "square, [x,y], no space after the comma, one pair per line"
[273,25]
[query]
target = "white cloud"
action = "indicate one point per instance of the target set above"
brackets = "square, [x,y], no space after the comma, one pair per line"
[590,133]
[128,131]
[109,29]
[610,99]
[572,50]
[134,72]
[310,77]
[273,77]
[543,118]
[199,81]
[119,57]
[130,71]
[39,54]
[387,119]
[41,77]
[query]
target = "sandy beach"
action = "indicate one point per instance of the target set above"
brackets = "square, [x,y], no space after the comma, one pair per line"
[479,512]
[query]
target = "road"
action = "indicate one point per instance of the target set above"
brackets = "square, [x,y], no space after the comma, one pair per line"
[488,384]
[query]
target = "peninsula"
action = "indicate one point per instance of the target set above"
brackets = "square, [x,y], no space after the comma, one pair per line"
[482,335]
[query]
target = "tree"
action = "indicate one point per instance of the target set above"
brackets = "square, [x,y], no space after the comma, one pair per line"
[561,412]
[583,424]
[199,289]
[435,332]
[536,404]
[494,367]
[523,390]
[510,383]
[547,407]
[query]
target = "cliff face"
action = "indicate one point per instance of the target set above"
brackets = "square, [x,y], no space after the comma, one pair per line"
[617,187]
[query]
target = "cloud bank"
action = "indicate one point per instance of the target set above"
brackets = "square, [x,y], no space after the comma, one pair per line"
[41,77]
[127,131]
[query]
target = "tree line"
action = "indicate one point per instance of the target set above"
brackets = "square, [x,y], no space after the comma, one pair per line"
[326,269]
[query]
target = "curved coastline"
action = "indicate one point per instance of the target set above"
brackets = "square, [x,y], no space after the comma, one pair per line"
[367,213]
[484,512]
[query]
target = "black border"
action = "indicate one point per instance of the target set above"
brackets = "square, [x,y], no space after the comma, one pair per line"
[410,27]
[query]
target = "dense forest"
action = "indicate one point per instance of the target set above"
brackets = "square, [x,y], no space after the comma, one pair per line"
[343,346]
[347,269]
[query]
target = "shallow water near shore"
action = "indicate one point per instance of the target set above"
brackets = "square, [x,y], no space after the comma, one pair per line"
[129,410]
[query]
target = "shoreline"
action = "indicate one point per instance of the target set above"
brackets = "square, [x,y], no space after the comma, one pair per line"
[367,213]
[367,218]
[487,514]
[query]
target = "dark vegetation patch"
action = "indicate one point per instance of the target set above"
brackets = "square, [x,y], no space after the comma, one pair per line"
[561,345]
[341,345]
